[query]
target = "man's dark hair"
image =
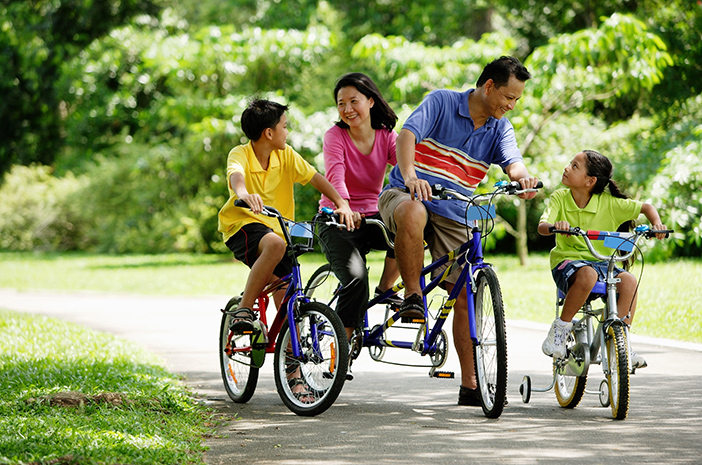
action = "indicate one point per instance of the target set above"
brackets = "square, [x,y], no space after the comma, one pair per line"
[259,116]
[501,69]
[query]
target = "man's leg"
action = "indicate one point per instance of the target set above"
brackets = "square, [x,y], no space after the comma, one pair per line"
[462,341]
[410,218]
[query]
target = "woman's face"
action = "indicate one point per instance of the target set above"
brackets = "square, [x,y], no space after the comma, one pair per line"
[353,107]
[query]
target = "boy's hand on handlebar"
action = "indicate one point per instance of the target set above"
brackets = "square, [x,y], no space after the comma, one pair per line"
[254,202]
[419,189]
[528,183]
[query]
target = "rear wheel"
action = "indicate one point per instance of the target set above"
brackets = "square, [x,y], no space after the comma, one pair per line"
[239,373]
[308,385]
[618,371]
[490,354]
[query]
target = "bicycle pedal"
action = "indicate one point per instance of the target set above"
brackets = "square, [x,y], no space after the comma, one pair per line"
[443,374]
[411,320]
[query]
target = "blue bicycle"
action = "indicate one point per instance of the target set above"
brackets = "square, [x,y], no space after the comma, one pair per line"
[485,306]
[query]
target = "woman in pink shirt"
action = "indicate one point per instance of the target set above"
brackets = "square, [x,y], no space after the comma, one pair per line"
[357,151]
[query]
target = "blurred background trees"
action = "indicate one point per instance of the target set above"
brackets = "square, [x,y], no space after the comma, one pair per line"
[117,115]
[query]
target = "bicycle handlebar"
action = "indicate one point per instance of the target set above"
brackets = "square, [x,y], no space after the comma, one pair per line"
[621,237]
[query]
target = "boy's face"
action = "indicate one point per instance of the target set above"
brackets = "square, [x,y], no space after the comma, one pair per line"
[280,133]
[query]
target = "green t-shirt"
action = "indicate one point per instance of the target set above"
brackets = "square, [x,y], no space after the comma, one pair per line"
[602,213]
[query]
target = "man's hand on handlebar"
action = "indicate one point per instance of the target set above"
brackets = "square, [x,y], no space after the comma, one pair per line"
[419,189]
[528,183]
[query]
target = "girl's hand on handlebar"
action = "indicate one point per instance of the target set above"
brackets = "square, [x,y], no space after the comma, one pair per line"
[254,202]
[528,183]
[561,225]
[419,189]
[659,227]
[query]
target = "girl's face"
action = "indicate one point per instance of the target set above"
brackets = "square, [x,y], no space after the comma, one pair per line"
[575,173]
[353,106]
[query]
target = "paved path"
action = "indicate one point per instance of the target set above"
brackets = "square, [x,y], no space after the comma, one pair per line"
[390,414]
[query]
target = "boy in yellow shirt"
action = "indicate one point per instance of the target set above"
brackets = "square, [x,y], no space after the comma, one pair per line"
[263,172]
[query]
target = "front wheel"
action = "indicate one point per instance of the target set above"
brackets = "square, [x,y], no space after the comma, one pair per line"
[490,354]
[308,385]
[239,373]
[617,371]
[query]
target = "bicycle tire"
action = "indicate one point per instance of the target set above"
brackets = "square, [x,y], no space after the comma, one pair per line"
[238,373]
[618,371]
[490,354]
[569,389]
[323,285]
[323,372]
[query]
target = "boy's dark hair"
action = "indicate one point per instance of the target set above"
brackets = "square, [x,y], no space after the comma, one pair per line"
[382,116]
[501,69]
[259,116]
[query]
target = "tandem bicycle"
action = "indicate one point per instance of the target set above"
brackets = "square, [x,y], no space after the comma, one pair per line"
[485,306]
[599,336]
[307,338]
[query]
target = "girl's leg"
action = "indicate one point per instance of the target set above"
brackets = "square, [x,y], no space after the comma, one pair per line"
[582,282]
[626,302]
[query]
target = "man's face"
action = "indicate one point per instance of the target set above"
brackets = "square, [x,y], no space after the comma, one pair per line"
[503,99]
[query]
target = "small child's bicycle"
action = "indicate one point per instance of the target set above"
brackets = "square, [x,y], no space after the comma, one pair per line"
[311,360]
[599,336]
[485,308]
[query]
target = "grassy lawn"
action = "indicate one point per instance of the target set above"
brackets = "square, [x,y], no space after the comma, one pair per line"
[129,409]
[669,297]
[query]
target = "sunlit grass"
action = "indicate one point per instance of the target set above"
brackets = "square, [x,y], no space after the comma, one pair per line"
[669,297]
[41,356]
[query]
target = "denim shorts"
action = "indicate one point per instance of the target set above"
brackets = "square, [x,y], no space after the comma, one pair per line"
[567,268]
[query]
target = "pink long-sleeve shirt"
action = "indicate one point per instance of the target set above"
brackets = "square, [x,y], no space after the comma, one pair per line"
[357,177]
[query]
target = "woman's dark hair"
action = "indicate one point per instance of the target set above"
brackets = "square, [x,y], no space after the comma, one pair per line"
[259,116]
[601,168]
[382,116]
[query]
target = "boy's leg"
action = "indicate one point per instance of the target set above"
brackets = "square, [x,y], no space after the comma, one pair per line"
[271,249]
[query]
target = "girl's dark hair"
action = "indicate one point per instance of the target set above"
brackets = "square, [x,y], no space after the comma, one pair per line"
[382,116]
[601,168]
[259,116]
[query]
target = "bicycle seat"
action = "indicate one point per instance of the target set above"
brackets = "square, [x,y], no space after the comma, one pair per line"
[598,290]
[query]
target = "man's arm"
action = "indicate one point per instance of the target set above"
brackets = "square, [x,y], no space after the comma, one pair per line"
[406,146]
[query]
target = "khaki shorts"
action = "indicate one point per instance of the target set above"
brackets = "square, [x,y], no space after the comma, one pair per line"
[441,234]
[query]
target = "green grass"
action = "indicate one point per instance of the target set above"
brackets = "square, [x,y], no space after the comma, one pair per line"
[669,297]
[40,357]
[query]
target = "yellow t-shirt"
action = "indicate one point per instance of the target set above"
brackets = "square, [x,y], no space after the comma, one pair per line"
[274,185]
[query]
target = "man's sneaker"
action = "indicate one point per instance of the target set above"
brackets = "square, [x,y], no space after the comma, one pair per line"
[395,299]
[555,343]
[637,361]
[412,307]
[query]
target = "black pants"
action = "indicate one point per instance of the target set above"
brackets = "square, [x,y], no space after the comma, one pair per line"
[346,252]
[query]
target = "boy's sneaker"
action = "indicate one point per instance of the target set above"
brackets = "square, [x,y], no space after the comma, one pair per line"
[555,343]
[637,361]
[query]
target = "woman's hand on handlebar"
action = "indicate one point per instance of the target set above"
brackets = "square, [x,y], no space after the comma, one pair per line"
[351,219]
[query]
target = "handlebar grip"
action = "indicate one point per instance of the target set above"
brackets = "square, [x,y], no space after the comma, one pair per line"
[241,203]
[539,185]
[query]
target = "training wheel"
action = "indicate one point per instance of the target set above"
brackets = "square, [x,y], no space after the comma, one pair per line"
[525,389]
[604,393]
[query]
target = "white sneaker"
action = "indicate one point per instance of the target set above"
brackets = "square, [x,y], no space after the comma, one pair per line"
[637,361]
[555,343]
